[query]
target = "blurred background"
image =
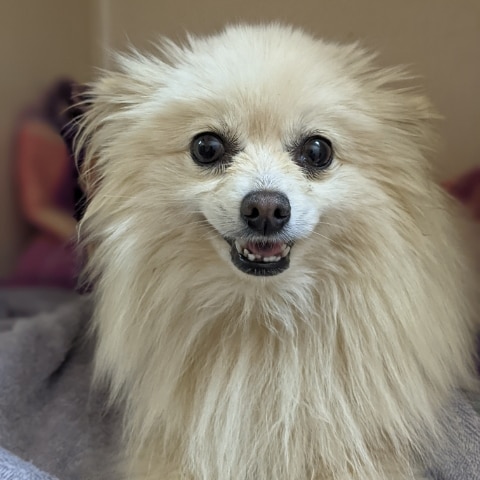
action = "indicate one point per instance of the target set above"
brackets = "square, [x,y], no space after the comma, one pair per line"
[49,45]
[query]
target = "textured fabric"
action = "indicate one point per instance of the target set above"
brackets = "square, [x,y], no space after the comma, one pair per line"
[49,415]
[13,468]
[460,458]
[53,426]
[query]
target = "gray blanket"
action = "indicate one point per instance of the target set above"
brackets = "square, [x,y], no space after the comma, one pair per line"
[49,415]
[53,426]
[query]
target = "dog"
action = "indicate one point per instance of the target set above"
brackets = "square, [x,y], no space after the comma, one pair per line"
[281,290]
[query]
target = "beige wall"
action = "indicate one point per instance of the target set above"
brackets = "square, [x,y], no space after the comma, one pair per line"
[39,40]
[440,39]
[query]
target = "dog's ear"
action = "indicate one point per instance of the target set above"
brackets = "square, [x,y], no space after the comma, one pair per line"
[405,107]
[391,95]
[108,105]
[410,111]
[105,98]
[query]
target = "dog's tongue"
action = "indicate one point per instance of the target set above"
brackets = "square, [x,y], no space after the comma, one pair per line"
[265,249]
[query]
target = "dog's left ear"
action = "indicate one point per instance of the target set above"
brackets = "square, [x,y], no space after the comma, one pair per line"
[403,106]
[391,96]
[414,114]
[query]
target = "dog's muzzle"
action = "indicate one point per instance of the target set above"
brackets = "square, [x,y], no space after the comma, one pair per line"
[265,214]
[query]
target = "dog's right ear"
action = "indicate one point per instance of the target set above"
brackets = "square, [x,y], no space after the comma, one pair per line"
[108,104]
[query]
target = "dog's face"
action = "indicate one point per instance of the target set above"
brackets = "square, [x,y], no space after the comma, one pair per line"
[262,174]
[268,147]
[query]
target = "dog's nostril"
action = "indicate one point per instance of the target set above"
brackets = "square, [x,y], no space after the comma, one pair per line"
[265,212]
[280,213]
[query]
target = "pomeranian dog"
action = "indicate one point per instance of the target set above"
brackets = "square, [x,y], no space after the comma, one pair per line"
[280,289]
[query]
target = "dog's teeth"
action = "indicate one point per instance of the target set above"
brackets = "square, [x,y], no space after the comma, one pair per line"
[238,246]
[271,259]
[258,258]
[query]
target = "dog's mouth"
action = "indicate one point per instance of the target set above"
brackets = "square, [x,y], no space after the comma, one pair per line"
[260,258]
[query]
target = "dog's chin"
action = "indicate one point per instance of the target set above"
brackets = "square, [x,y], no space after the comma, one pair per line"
[260,258]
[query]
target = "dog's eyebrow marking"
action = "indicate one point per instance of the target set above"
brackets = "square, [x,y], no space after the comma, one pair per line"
[231,138]
[296,136]
[229,134]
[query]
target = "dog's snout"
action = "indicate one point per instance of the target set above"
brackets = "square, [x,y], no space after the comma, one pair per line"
[265,212]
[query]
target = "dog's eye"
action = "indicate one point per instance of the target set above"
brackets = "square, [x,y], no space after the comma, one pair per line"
[207,148]
[315,152]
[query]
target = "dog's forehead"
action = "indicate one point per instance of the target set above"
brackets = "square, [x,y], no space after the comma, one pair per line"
[264,78]
[266,67]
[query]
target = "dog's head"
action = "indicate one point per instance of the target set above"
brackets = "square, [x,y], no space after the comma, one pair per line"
[264,147]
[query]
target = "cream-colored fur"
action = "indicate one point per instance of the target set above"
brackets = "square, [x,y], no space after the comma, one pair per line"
[337,368]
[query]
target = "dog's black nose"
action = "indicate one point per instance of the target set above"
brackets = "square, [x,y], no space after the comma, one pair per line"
[265,212]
